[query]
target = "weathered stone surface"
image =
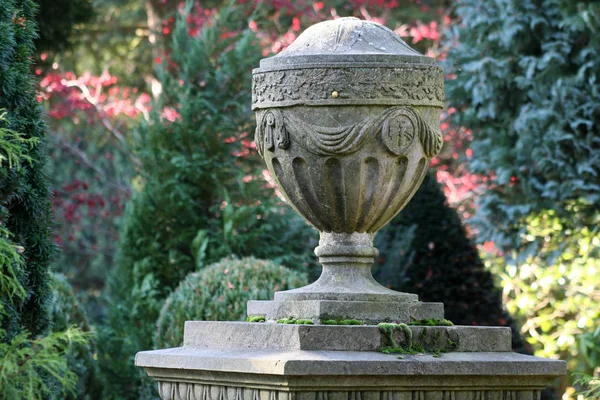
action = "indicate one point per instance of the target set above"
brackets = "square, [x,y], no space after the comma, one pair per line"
[245,335]
[347,363]
[370,312]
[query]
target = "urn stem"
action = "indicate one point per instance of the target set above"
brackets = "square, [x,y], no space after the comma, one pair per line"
[346,259]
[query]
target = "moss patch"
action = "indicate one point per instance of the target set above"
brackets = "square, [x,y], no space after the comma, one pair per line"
[341,322]
[431,343]
[255,318]
[407,347]
[432,322]
[294,321]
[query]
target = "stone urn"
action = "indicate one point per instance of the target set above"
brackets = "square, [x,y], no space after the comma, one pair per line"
[347,123]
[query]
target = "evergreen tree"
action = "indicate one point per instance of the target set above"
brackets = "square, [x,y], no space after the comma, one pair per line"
[527,84]
[425,250]
[24,196]
[32,364]
[527,80]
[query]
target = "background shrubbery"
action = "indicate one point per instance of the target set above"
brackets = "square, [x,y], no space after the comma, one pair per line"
[154,176]
[220,292]
[527,80]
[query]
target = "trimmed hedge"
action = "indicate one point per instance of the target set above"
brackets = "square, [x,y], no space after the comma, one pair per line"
[220,292]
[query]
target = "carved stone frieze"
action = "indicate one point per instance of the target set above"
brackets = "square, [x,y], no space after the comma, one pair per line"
[197,391]
[411,85]
[398,126]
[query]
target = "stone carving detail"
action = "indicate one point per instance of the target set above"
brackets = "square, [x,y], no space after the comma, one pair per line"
[398,127]
[271,132]
[198,391]
[338,140]
[431,139]
[392,86]
[399,130]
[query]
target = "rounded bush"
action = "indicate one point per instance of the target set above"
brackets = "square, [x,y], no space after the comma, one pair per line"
[220,292]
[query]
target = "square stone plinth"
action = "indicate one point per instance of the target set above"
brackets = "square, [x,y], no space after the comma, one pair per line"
[274,363]
[260,374]
[242,335]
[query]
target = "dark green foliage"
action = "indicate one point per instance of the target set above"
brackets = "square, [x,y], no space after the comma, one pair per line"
[528,82]
[37,368]
[528,86]
[56,20]
[30,368]
[439,263]
[220,292]
[197,200]
[24,197]
[65,313]
[590,386]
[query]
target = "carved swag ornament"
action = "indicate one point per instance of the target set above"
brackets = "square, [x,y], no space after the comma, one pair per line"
[396,126]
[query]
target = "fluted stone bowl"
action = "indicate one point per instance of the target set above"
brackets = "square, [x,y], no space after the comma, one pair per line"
[347,122]
[348,169]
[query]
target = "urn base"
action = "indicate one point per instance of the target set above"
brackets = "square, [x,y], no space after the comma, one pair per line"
[367,312]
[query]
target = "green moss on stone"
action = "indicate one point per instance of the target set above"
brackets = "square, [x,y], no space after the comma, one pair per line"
[417,348]
[432,322]
[255,318]
[408,347]
[341,322]
[294,321]
[451,345]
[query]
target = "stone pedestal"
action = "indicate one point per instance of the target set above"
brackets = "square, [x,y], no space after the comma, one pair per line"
[347,122]
[268,361]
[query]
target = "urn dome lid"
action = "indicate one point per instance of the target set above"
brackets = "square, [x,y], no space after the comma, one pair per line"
[346,41]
